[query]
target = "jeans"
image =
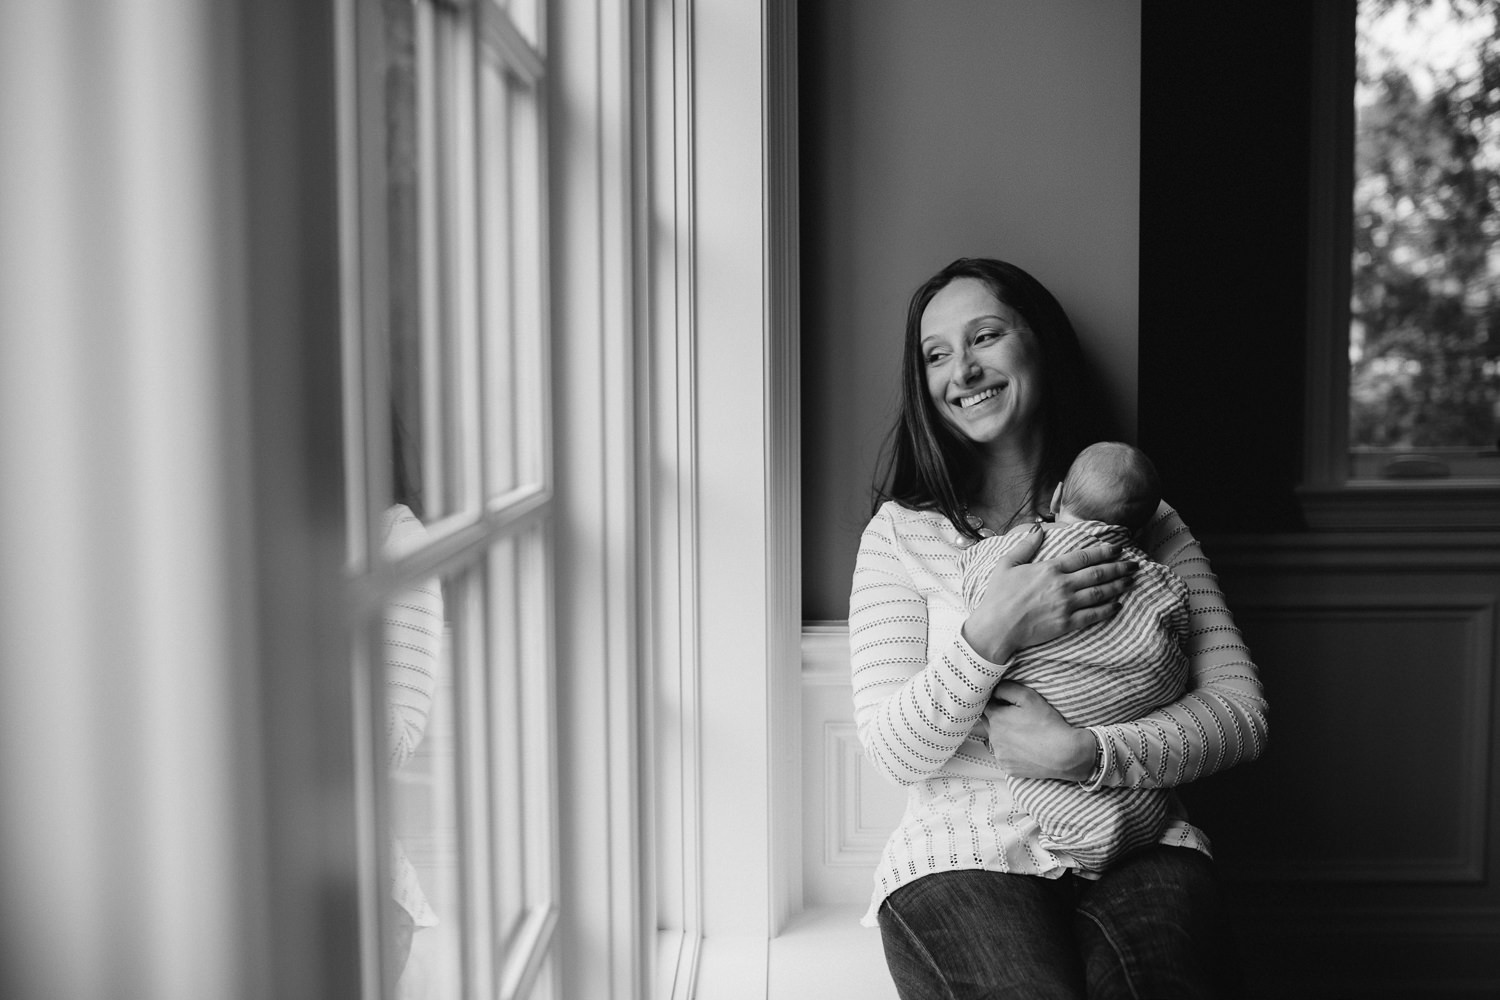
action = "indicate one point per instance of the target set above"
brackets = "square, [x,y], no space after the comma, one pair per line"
[1153,927]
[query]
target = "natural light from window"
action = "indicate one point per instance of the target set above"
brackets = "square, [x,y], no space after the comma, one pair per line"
[1424,338]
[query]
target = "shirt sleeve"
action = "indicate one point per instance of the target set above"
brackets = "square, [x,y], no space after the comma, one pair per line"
[411,636]
[913,710]
[1222,718]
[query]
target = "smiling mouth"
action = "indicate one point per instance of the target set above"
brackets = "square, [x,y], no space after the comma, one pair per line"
[978,397]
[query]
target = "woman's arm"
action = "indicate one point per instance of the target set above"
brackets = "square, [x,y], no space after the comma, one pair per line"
[412,633]
[916,705]
[1222,719]
[913,710]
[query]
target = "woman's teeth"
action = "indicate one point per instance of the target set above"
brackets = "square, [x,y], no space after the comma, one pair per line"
[977,398]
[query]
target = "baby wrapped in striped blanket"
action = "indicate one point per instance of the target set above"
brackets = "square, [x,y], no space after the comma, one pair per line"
[1111,672]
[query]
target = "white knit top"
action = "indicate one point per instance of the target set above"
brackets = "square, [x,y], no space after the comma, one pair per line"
[412,634]
[920,692]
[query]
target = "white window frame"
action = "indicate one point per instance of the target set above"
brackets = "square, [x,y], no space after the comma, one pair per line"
[745,316]
[1331,498]
[462,192]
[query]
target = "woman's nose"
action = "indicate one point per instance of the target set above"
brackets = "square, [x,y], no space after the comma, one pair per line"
[968,368]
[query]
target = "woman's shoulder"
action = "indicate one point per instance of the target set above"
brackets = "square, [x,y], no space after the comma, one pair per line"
[895,513]
[914,527]
[1167,535]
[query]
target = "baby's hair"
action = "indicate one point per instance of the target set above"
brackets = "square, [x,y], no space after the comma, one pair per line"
[1114,483]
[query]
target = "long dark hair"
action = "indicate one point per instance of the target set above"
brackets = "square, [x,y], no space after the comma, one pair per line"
[924,463]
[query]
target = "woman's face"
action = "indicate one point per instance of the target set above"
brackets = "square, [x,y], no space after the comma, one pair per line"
[983,372]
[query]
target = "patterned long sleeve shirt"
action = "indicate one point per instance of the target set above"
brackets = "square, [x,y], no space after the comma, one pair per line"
[920,692]
[411,634]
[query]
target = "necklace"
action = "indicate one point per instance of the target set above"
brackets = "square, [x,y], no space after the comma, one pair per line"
[977,522]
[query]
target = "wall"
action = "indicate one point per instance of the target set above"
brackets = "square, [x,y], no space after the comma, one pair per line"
[935,131]
[1223,258]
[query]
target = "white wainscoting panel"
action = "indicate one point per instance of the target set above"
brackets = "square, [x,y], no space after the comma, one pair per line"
[848,808]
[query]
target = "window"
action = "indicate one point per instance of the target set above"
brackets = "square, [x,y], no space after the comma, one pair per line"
[1424,388]
[450,499]
[1404,386]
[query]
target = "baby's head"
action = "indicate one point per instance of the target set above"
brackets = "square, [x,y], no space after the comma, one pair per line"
[1109,482]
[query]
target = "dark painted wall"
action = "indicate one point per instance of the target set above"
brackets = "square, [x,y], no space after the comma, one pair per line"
[1224,206]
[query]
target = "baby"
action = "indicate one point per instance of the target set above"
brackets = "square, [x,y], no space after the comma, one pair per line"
[1115,671]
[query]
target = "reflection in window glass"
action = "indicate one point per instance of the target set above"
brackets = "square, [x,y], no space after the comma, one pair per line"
[510,204]
[428,428]
[522,780]
[403,275]
[507,746]
[1424,344]
[458,621]
[498,288]
[422,951]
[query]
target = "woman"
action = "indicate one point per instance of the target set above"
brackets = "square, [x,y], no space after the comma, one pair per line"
[995,403]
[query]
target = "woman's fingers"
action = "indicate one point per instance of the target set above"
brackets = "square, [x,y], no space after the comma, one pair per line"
[1030,739]
[1097,558]
[1013,693]
[1027,602]
[1097,574]
[1024,550]
[1093,614]
[1103,593]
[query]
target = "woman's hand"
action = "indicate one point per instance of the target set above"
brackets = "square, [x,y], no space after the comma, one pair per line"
[1026,603]
[1031,740]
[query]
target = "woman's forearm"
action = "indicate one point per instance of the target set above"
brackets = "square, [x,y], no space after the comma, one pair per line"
[1222,720]
[914,708]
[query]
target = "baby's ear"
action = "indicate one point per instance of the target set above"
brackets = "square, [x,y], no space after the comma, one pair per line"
[1057,500]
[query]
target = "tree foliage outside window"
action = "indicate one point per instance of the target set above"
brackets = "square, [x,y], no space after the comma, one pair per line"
[1424,346]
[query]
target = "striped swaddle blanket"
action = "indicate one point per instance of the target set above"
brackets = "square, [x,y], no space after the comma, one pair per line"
[1116,671]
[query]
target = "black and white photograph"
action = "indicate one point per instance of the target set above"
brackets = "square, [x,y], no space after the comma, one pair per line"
[750,500]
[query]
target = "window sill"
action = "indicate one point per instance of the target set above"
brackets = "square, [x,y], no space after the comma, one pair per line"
[822,954]
[1438,505]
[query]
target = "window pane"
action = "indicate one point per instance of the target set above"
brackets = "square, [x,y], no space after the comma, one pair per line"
[432,440]
[1424,344]
[425,627]
[511,194]
[524,16]
[498,289]
[522,745]
[507,744]
[470,751]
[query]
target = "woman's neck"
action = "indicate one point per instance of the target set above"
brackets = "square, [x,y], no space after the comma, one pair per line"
[1006,494]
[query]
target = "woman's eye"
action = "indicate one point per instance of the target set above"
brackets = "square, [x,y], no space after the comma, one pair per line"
[935,357]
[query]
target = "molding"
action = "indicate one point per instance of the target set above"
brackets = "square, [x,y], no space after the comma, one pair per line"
[1446,552]
[1330,243]
[1423,921]
[672,874]
[1475,614]
[1455,505]
[781,267]
[848,844]
[744,361]
[604,945]
[825,654]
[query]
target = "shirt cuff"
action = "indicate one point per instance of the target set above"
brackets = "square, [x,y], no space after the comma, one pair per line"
[991,670]
[1095,780]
